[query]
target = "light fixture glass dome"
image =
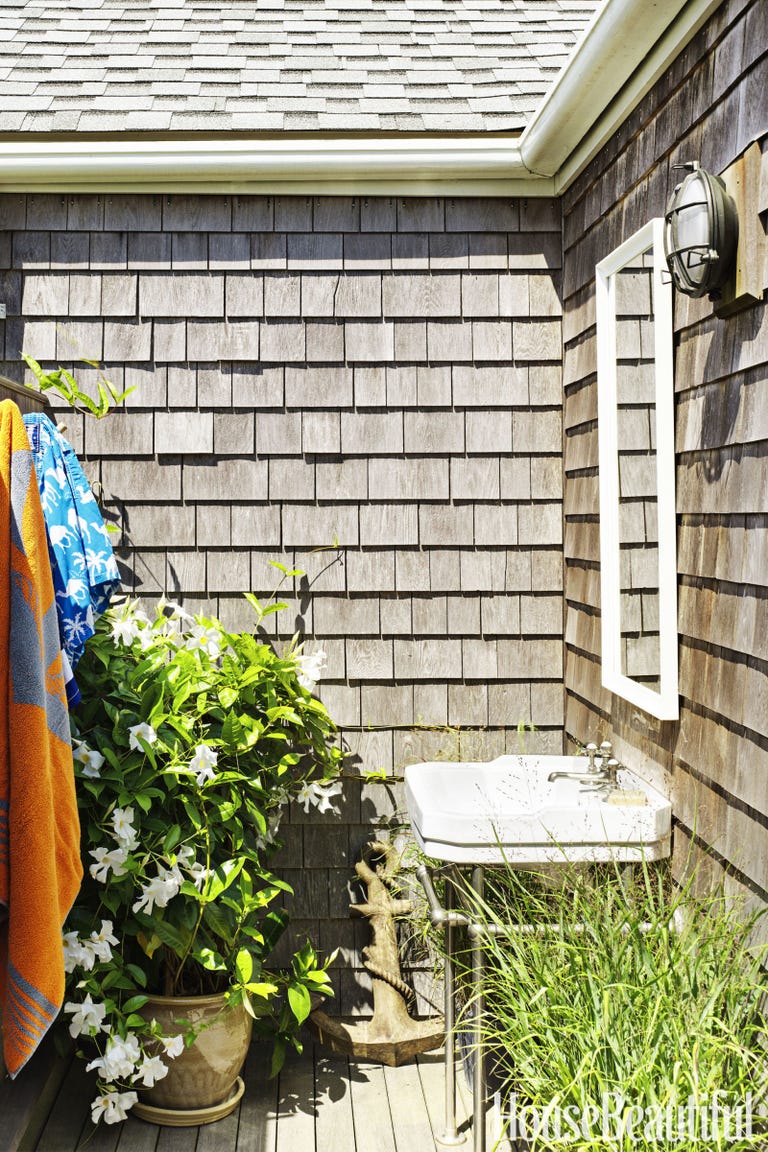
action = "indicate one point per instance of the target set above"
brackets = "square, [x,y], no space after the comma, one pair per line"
[700,234]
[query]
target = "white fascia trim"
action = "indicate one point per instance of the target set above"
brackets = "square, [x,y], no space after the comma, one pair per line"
[469,166]
[624,51]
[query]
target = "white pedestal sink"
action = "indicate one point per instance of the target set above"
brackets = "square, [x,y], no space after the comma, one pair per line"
[507,810]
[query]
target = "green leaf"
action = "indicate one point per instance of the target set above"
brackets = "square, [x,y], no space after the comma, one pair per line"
[135,1003]
[252,933]
[215,919]
[172,838]
[278,1056]
[244,965]
[173,938]
[274,608]
[210,960]
[262,989]
[273,926]
[221,879]
[300,1003]
[193,814]
[151,699]
[232,731]
[109,754]
[138,974]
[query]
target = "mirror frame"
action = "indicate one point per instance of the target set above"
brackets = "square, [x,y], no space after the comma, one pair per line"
[664,703]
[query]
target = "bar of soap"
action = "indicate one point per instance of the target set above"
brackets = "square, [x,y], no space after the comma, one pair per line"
[627,796]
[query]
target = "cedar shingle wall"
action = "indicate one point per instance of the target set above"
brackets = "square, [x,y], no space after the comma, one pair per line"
[383,374]
[709,106]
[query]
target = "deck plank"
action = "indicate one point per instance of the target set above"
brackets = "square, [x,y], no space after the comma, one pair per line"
[136,1136]
[257,1131]
[71,1111]
[322,1102]
[335,1125]
[175,1140]
[296,1116]
[410,1118]
[370,1107]
[26,1102]
[432,1076]
[101,1137]
[219,1135]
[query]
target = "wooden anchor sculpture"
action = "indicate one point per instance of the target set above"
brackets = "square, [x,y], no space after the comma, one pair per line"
[391,1036]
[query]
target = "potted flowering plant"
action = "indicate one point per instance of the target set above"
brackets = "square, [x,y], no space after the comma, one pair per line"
[188,745]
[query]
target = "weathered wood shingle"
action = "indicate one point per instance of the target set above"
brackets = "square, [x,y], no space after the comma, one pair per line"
[419,490]
[714,758]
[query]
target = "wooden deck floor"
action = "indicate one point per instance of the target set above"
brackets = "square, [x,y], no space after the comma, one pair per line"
[320,1103]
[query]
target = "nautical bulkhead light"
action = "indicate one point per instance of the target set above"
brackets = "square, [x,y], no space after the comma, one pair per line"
[701,232]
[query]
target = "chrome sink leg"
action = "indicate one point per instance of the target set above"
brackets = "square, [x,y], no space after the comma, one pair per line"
[450,1135]
[478,1079]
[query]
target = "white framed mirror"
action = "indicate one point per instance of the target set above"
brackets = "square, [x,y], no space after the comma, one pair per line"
[635,399]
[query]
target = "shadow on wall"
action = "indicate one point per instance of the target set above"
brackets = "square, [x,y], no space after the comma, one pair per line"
[724,402]
[318,860]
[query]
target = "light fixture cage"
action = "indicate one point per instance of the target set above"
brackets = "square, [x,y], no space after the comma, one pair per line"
[701,232]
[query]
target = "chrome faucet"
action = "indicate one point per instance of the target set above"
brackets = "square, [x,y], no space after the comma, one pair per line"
[602,772]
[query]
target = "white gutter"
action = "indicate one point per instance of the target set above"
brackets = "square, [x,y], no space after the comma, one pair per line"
[628,45]
[472,166]
[626,48]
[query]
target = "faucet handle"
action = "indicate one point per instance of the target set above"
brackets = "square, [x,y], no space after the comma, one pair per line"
[591,751]
[611,767]
[606,749]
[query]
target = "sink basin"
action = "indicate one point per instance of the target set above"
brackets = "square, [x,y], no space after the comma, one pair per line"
[507,810]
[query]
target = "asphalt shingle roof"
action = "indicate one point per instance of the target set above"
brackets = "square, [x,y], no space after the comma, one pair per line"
[281,65]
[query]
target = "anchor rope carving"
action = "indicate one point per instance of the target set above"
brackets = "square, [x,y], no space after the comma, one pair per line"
[390,978]
[378,859]
[391,1035]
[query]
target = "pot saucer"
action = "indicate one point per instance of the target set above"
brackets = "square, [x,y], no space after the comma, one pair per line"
[190,1117]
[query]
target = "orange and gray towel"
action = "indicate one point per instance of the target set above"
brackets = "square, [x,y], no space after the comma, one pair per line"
[40,869]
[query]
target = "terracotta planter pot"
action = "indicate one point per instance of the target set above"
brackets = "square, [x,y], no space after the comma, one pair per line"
[205,1075]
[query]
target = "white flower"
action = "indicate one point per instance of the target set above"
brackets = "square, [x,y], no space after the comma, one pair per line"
[90,759]
[172,1045]
[269,837]
[198,874]
[144,731]
[119,1060]
[160,890]
[205,639]
[305,796]
[150,1070]
[318,795]
[323,794]
[76,953]
[173,611]
[114,859]
[310,668]
[125,631]
[146,639]
[203,763]
[112,1106]
[87,1018]
[125,833]
[102,942]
